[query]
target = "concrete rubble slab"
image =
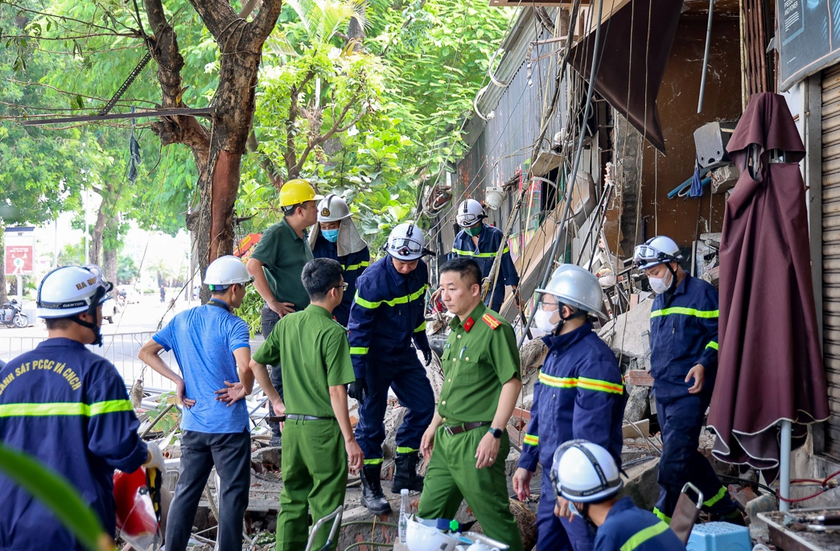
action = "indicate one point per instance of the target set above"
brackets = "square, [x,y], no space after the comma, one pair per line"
[624,334]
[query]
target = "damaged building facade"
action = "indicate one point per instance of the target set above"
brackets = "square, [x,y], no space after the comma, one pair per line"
[642,145]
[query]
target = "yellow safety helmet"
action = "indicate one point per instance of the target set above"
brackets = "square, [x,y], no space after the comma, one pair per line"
[295,192]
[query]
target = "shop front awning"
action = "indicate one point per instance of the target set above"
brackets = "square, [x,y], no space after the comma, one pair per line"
[635,44]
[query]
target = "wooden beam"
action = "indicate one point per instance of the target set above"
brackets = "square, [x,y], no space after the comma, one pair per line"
[206,111]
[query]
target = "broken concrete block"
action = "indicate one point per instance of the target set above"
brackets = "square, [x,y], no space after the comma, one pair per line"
[763,504]
[268,456]
[633,430]
[637,403]
[642,485]
[624,334]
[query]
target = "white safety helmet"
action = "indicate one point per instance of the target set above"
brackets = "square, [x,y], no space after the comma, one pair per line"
[470,213]
[422,535]
[332,208]
[71,290]
[584,472]
[656,250]
[574,286]
[225,271]
[406,242]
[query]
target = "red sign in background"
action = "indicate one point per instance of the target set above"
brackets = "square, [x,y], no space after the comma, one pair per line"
[19,260]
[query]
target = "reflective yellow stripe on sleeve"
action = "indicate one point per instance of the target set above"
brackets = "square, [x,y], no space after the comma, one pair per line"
[422,327]
[393,302]
[581,382]
[64,409]
[679,310]
[642,536]
[712,344]
[531,439]
[358,350]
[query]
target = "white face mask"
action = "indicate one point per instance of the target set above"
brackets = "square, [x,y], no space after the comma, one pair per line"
[542,319]
[660,285]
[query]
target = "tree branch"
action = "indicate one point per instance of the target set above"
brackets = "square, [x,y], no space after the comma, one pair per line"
[217,16]
[336,128]
[61,17]
[290,157]
[263,23]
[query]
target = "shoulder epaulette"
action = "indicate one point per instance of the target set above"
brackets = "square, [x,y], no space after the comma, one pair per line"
[491,321]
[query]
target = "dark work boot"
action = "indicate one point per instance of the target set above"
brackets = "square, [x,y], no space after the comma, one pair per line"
[372,496]
[405,473]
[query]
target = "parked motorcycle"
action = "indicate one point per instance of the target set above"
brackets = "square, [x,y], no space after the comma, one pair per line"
[11,315]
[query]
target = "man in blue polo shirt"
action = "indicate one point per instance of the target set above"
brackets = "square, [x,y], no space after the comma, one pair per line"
[212,348]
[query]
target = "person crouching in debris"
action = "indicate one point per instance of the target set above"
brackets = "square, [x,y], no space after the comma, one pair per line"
[212,349]
[579,395]
[314,354]
[388,313]
[467,439]
[67,407]
[683,364]
[586,480]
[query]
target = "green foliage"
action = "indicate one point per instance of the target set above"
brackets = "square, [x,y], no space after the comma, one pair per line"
[127,270]
[172,418]
[250,310]
[58,495]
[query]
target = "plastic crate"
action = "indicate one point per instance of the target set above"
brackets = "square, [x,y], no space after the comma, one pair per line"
[719,536]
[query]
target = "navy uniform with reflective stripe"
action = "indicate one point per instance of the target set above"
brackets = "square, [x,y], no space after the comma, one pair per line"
[354,265]
[68,408]
[580,395]
[387,314]
[683,333]
[628,528]
[489,241]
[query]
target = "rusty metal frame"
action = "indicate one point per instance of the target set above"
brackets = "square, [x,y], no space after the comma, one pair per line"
[205,111]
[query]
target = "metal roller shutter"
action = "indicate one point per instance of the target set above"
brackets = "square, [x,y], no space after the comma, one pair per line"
[831,248]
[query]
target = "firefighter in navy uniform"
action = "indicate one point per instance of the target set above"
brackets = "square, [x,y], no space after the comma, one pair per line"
[683,364]
[388,313]
[68,408]
[586,479]
[579,395]
[335,236]
[481,242]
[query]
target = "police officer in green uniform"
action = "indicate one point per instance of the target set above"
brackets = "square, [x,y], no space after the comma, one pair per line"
[314,354]
[480,388]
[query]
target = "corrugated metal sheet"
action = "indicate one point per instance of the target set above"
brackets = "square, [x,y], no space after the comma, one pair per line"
[508,137]
[831,247]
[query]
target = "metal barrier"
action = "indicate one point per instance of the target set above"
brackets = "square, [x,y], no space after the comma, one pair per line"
[120,349]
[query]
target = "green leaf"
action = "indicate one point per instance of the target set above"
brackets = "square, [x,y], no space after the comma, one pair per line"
[58,495]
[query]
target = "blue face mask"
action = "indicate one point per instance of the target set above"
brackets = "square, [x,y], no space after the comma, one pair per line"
[330,235]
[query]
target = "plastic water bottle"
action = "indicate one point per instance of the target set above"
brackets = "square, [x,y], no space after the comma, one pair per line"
[403,514]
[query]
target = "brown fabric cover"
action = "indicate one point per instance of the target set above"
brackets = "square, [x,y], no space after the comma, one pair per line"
[625,78]
[770,367]
[685,517]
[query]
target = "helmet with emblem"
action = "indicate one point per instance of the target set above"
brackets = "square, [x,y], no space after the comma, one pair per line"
[333,208]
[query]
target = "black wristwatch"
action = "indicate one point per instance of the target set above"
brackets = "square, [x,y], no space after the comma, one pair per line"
[497,433]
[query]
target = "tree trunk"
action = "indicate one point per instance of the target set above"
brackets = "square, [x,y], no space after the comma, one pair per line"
[3,297]
[218,153]
[95,256]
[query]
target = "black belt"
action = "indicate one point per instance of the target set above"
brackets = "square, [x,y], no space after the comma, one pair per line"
[299,417]
[458,429]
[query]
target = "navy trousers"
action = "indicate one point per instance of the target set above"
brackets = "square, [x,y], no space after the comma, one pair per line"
[556,534]
[681,419]
[407,377]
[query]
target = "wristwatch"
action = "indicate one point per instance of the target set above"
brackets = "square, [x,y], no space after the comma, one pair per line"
[497,433]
